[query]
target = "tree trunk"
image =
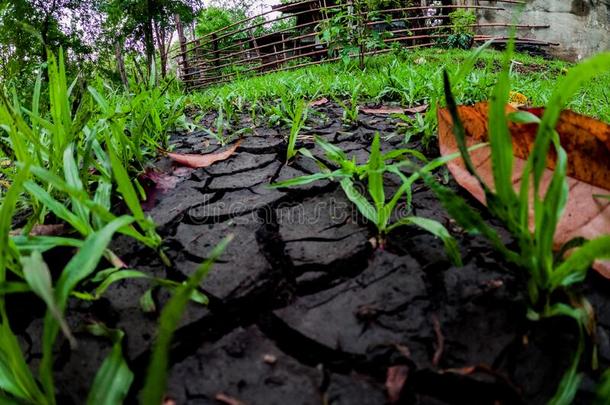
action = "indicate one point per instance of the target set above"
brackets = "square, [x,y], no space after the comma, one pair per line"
[160,36]
[120,63]
[149,43]
[182,40]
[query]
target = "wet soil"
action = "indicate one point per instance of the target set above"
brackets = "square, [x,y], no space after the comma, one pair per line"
[304,310]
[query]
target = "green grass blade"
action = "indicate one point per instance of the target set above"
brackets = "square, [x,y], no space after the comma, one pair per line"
[7,209]
[113,379]
[37,275]
[437,229]
[574,268]
[500,139]
[310,178]
[58,208]
[15,375]
[156,377]
[460,133]
[333,152]
[550,211]
[466,216]
[375,170]
[72,177]
[28,244]
[363,205]
[297,125]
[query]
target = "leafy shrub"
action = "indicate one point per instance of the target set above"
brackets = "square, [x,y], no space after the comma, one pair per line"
[462,30]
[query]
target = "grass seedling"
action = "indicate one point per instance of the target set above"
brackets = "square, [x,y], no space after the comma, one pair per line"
[547,274]
[351,109]
[411,126]
[223,126]
[298,122]
[380,210]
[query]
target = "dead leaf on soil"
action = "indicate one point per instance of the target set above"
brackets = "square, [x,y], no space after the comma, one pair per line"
[320,101]
[383,110]
[196,161]
[386,110]
[225,399]
[417,109]
[270,358]
[162,181]
[43,230]
[587,143]
[395,380]
[169,401]
[156,183]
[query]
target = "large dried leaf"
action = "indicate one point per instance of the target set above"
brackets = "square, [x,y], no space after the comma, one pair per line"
[587,143]
[196,161]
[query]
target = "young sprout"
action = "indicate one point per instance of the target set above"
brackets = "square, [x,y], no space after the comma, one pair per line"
[298,122]
[376,208]
[351,109]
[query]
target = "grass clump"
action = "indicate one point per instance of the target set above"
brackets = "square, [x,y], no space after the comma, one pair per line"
[551,279]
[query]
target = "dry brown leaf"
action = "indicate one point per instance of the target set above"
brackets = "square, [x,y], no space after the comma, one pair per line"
[417,109]
[587,143]
[395,380]
[196,161]
[225,399]
[320,101]
[169,401]
[383,110]
[42,230]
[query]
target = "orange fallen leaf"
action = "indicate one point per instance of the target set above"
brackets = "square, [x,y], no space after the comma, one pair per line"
[587,144]
[196,161]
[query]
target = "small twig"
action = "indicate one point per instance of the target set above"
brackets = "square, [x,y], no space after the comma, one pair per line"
[440,341]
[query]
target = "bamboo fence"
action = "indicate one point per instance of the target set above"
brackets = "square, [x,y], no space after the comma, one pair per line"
[237,51]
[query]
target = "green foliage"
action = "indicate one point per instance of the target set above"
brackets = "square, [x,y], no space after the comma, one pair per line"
[463,21]
[77,156]
[347,34]
[535,247]
[212,19]
[380,211]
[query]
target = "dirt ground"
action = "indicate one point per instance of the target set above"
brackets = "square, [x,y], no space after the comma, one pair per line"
[304,310]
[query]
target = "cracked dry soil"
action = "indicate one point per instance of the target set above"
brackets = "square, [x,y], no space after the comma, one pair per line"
[303,310]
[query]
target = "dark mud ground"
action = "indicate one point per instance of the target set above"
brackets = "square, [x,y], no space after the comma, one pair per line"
[303,309]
